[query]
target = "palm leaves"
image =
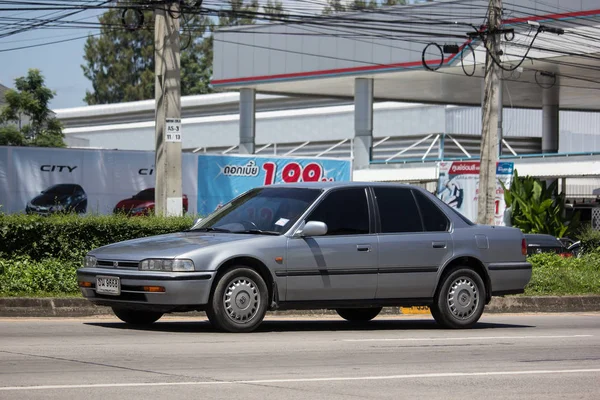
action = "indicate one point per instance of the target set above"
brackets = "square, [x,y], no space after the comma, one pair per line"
[537,207]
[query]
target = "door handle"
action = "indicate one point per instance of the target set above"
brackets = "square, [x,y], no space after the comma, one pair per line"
[438,245]
[363,247]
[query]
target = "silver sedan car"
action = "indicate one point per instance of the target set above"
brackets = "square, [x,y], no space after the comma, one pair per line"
[353,247]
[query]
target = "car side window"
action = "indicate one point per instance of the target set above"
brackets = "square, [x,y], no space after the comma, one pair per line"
[433,218]
[397,210]
[345,211]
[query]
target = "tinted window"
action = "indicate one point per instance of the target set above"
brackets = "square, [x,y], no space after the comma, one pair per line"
[147,194]
[433,219]
[61,189]
[344,211]
[397,210]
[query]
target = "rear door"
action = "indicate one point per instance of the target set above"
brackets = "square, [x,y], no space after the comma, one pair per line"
[414,241]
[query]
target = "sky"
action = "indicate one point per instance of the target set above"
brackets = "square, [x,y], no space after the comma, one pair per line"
[59,63]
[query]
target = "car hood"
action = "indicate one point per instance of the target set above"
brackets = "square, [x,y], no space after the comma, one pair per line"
[49,199]
[165,246]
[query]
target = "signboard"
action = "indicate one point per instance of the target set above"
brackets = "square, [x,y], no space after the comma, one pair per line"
[458,186]
[223,177]
[173,130]
[97,179]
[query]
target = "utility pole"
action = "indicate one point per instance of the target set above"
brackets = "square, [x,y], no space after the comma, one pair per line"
[168,192]
[489,131]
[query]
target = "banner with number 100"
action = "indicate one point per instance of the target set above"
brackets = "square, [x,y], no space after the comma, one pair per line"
[221,178]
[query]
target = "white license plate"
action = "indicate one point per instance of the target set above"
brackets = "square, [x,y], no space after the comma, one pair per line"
[108,285]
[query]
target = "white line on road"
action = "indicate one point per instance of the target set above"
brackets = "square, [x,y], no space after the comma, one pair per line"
[464,338]
[303,380]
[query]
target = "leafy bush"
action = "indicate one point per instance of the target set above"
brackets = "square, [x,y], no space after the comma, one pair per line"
[555,275]
[537,208]
[69,237]
[22,276]
[590,240]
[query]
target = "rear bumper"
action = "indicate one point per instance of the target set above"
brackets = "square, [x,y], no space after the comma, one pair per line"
[509,278]
[184,290]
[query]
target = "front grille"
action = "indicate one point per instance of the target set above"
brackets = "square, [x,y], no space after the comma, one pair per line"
[120,264]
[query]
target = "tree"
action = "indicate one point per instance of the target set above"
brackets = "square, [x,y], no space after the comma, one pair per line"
[535,207]
[26,119]
[274,11]
[335,6]
[120,62]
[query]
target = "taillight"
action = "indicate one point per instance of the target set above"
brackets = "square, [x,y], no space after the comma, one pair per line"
[524,247]
[566,255]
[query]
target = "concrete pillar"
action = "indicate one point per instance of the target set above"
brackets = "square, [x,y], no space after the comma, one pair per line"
[247,120]
[363,122]
[550,104]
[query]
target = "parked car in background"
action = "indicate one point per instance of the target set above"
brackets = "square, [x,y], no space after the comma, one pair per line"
[542,243]
[141,203]
[353,247]
[64,197]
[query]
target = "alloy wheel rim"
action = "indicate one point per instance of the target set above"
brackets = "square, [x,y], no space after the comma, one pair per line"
[241,300]
[463,298]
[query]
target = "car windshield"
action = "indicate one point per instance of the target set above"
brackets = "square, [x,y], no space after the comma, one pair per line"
[60,190]
[147,194]
[270,210]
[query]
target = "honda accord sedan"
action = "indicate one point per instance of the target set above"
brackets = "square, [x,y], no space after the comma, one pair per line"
[353,247]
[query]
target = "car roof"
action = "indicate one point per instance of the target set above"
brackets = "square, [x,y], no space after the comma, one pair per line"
[334,184]
[541,239]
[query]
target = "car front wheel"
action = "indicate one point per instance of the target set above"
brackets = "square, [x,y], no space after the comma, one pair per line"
[358,314]
[239,301]
[136,317]
[460,300]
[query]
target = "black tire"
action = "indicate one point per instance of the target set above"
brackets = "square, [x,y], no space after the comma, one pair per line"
[358,314]
[239,301]
[460,299]
[136,317]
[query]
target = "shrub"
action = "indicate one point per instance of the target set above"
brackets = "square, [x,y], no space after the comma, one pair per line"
[69,237]
[22,276]
[590,240]
[555,275]
[537,208]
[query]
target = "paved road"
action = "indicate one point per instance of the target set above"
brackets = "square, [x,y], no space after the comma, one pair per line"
[507,356]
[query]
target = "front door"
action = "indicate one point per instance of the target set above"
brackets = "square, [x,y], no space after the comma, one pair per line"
[342,265]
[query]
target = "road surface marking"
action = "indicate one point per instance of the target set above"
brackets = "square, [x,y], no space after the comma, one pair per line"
[465,338]
[303,380]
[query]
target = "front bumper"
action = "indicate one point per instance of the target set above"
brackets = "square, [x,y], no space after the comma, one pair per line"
[182,290]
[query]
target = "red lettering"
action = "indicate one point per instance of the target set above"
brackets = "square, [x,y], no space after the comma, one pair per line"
[270,169]
[312,173]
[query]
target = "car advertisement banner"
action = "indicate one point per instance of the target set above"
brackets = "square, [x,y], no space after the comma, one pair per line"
[222,177]
[458,186]
[81,180]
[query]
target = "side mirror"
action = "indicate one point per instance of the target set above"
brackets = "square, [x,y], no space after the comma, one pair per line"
[314,228]
[196,221]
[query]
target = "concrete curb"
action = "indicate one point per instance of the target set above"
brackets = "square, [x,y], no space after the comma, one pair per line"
[80,307]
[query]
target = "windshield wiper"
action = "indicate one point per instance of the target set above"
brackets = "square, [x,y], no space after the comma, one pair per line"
[259,232]
[211,229]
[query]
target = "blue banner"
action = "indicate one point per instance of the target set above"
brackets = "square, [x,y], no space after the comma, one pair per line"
[222,178]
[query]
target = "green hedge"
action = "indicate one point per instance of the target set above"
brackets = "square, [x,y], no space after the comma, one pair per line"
[22,276]
[555,275]
[69,237]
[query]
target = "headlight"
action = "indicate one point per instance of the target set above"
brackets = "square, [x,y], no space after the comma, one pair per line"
[89,261]
[167,265]
[138,210]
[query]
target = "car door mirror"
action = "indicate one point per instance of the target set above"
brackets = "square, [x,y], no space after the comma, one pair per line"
[314,228]
[196,221]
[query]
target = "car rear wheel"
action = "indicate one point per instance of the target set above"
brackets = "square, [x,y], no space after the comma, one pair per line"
[136,317]
[358,314]
[239,301]
[460,300]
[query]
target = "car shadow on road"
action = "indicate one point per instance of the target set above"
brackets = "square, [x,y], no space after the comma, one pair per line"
[302,325]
